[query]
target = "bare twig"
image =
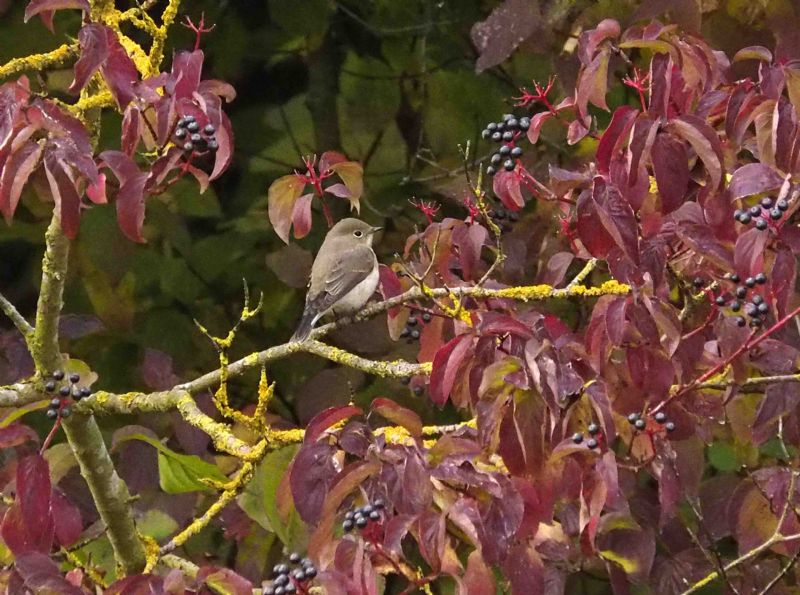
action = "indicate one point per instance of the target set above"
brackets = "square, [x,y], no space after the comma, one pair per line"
[23,326]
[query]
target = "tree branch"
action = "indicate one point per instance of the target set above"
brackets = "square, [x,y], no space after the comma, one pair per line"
[109,492]
[39,62]
[23,326]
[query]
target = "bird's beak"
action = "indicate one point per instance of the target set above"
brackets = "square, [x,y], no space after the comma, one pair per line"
[375,229]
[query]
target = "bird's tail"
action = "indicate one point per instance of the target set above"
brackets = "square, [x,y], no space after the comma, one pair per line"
[304,328]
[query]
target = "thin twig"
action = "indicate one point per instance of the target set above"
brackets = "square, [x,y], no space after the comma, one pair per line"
[23,326]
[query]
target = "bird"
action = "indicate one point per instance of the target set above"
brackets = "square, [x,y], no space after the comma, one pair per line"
[344,274]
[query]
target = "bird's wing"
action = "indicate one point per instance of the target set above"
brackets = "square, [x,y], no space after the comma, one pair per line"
[350,268]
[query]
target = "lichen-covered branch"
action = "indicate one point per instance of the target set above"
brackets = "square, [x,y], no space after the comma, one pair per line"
[109,492]
[23,326]
[39,62]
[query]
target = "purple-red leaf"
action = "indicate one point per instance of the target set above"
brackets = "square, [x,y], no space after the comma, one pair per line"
[327,418]
[38,6]
[614,135]
[398,415]
[15,173]
[185,76]
[130,197]
[101,49]
[671,169]
[67,517]
[16,434]
[224,580]
[508,25]
[705,143]
[446,364]
[301,216]
[311,476]
[64,193]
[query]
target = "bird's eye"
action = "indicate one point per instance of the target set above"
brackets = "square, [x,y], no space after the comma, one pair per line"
[358,233]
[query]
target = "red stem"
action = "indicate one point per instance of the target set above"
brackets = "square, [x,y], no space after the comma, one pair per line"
[50,436]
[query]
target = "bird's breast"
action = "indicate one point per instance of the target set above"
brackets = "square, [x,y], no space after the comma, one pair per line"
[359,295]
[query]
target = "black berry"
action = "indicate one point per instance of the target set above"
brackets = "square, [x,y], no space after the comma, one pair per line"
[766,202]
[405,332]
[763,308]
[490,171]
[740,321]
[508,165]
[374,515]
[212,145]
[418,390]
[294,557]
[347,526]
[775,214]
[379,503]
[49,386]
[660,417]
[491,127]
[737,213]
[745,218]
[756,322]
[516,152]
[193,127]
[497,136]
[741,292]
[761,278]
[720,301]
[632,417]
[411,321]
[310,571]
[426,316]
[577,437]
[86,392]
[782,204]
[698,282]
[735,306]
[56,403]
[593,429]
[361,522]
[66,412]
[64,391]
[415,334]
[486,133]
[757,299]
[51,413]
[670,426]
[524,123]
[209,129]
[640,424]
[735,278]
[496,159]
[755,211]
[761,224]
[188,147]
[750,282]
[591,443]
[58,375]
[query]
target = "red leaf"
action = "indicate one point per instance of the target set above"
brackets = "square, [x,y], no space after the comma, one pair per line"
[330,158]
[42,575]
[617,217]
[446,364]
[282,195]
[661,84]
[478,579]
[130,197]
[65,195]
[137,584]
[93,39]
[593,84]
[704,141]
[311,476]
[748,253]
[185,75]
[38,6]
[506,187]
[782,279]
[96,192]
[590,40]
[389,286]
[131,130]
[327,418]
[508,25]
[301,216]
[469,241]
[614,135]
[224,580]
[671,169]
[28,523]
[643,135]
[399,415]
[16,434]
[537,121]
[224,154]
[101,49]
[67,517]
[16,171]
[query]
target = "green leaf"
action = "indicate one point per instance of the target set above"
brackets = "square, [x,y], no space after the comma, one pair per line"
[722,457]
[157,524]
[260,498]
[179,473]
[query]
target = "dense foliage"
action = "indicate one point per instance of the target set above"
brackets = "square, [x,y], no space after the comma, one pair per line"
[629,424]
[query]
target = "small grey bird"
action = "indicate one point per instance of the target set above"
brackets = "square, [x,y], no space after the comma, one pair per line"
[344,274]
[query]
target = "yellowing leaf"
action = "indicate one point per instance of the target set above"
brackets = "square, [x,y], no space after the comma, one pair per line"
[352,174]
[282,195]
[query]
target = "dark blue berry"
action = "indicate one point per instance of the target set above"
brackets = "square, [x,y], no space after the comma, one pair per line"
[56,403]
[591,443]
[669,426]
[295,558]
[66,412]
[49,386]
[640,424]
[735,278]
[782,204]
[766,202]
[491,127]
[508,135]
[756,322]
[188,147]
[361,522]
[180,133]
[593,429]
[512,123]
[212,145]
[660,417]
[516,152]
[740,321]
[193,127]
[632,417]
[415,334]
[761,278]
[508,165]
[735,306]
[497,136]
[86,392]
[426,316]
[775,214]
[524,123]
[379,503]
[418,390]
[490,171]
[763,308]
[761,224]
[496,159]
[374,515]
[720,301]
[310,571]
[486,133]
[209,129]
[750,282]
[754,211]
[757,299]
[741,292]
[51,413]
[58,375]
[64,391]
[745,218]
[737,213]
[577,437]
[505,150]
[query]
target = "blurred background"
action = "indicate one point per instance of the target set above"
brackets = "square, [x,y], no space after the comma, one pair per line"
[398,86]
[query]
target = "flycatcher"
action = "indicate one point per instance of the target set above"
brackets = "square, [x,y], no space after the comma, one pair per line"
[344,274]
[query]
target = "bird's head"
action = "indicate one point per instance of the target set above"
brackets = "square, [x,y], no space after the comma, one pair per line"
[353,229]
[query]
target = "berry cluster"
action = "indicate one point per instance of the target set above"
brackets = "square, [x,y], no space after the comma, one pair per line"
[187,132]
[636,420]
[59,405]
[361,517]
[760,214]
[503,218]
[756,309]
[411,332]
[505,132]
[286,580]
[593,430]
